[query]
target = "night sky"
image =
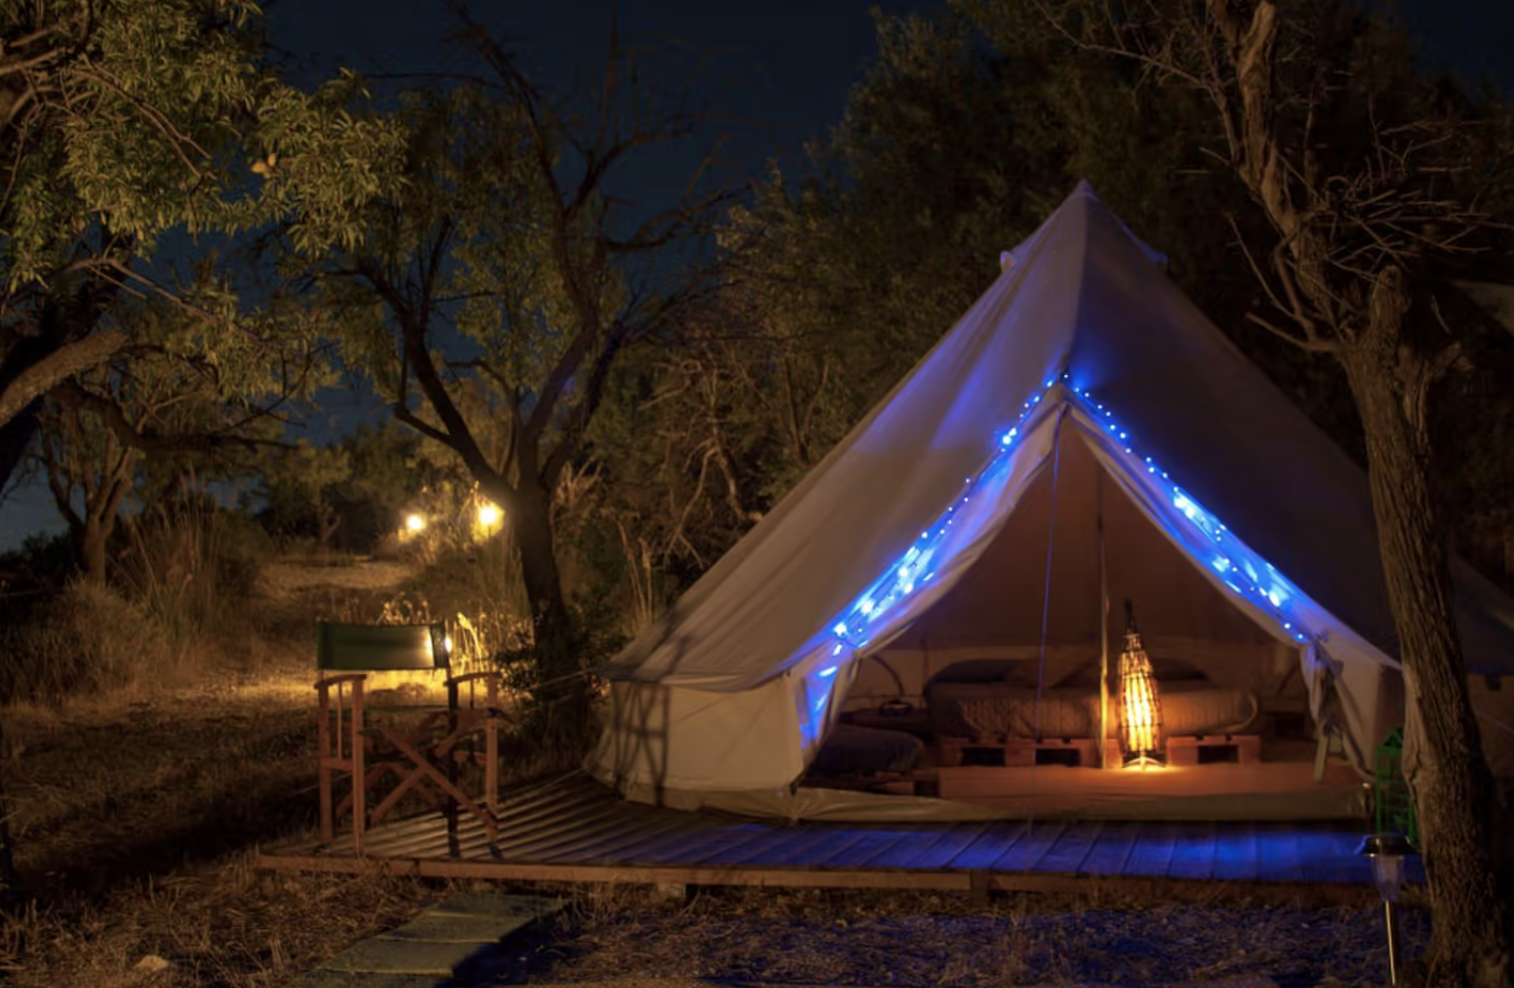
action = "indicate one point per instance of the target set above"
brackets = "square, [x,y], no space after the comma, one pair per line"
[784,68]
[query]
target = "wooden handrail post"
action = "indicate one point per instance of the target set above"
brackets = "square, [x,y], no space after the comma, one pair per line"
[323,763]
[359,770]
[491,747]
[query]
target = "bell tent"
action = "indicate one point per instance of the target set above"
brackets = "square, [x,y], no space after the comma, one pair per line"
[1082,436]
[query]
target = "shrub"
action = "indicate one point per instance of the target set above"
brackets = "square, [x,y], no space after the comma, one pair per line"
[87,639]
[558,692]
[193,566]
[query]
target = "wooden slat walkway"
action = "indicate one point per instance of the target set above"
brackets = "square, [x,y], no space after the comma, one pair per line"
[572,829]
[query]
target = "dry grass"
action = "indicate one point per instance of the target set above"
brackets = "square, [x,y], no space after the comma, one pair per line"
[136,811]
[816,937]
[135,824]
[222,925]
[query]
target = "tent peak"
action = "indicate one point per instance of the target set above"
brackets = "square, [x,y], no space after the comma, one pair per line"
[1084,190]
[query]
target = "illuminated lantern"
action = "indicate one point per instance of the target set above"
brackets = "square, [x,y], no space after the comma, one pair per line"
[488,514]
[1140,701]
[415,523]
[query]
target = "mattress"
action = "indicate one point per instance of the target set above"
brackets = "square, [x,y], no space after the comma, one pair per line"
[991,710]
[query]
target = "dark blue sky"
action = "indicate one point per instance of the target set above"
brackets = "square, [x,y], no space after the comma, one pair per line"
[785,67]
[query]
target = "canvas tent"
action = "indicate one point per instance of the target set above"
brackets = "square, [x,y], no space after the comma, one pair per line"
[1082,391]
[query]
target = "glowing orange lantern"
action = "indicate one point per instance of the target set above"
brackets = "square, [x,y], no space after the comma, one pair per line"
[1140,700]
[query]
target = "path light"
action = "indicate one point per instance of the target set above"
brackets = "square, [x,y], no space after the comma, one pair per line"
[488,514]
[415,523]
[1387,853]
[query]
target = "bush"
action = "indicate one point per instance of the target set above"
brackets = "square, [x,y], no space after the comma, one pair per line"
[193,567]
[560,690]
[87,639]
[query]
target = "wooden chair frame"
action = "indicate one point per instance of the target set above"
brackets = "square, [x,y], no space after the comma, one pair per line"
[350,747]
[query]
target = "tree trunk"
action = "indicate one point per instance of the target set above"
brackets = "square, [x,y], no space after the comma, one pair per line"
[328,520]
[11,892]
[563,691]
[1508,559]
[1443,759]
[90,544]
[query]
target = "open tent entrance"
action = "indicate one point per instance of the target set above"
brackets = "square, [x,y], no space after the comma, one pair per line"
[1002,675]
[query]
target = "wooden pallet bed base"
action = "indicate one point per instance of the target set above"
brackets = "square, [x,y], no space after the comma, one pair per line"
[1181,749]
[1241,749]
[1028,752]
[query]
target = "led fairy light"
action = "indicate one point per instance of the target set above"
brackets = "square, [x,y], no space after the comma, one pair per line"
[1240,569]
[816,698]
[913,570]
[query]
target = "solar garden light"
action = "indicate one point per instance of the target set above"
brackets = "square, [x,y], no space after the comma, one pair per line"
[1387,853]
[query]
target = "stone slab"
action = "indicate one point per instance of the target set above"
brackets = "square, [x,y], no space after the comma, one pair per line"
[321,978]
[431,927]
[406,957]
[498,905]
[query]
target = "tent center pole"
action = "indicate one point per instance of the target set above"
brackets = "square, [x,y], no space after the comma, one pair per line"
[1051,542]
[1103,627]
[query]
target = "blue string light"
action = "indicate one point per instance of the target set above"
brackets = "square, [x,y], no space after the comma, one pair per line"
[813,703]
[1242,571]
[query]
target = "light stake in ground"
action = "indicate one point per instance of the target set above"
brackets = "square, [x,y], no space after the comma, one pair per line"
[1387,853]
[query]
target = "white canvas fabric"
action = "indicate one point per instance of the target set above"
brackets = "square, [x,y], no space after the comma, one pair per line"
[1082,336]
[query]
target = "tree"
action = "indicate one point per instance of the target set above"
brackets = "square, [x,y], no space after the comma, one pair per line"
[123,122]
[157,408]
[956,145]
[1375,184]
[89,473]
[298,487]
[506,266]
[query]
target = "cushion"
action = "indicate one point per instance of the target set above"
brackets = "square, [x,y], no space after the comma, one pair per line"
[853,750]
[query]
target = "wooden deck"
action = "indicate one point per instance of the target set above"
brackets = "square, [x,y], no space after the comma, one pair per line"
[572,829]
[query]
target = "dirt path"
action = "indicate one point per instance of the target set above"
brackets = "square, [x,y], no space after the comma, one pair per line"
[284,579]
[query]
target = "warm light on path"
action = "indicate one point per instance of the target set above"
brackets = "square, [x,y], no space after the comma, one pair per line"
[488,515]
[415,523]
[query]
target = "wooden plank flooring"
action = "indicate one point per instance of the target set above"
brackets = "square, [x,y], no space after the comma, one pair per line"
[572,829]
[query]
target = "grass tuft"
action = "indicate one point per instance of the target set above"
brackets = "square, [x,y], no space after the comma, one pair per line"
[88,639]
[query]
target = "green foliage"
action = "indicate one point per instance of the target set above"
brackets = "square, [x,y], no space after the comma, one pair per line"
[472,197]
[125,123]
[143,118]
[558,683]
[957,143]
[297,487]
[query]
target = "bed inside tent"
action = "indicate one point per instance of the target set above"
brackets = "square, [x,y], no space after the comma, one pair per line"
[992,696]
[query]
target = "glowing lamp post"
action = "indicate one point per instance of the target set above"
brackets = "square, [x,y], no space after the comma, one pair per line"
[488,515]
[1387,853]
[1140,701]
[415,523]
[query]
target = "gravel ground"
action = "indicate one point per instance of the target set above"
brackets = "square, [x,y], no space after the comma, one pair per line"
[933,940]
